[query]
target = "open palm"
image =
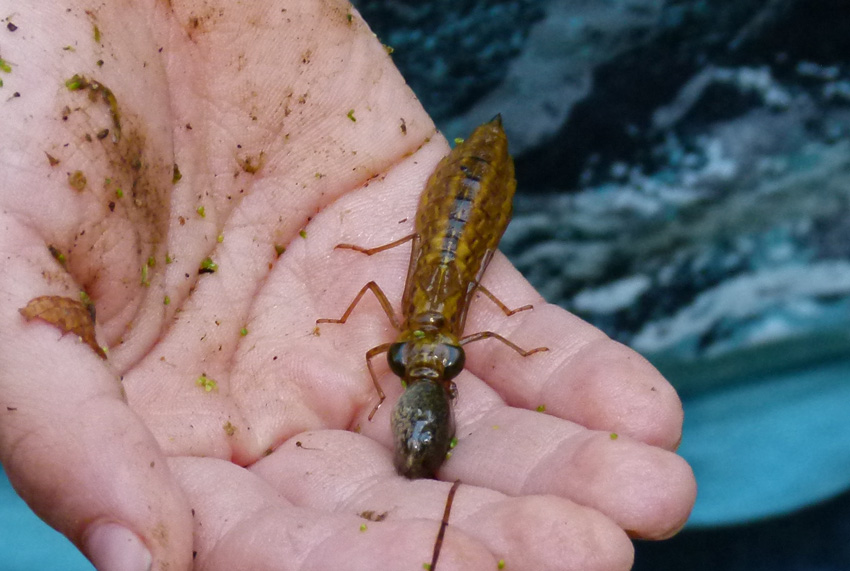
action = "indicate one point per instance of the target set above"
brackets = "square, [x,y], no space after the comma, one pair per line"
[191,165]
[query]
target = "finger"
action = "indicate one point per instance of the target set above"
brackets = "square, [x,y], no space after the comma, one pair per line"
[344,472]
[644,489]
[241,522]
[72,447]
[584,377]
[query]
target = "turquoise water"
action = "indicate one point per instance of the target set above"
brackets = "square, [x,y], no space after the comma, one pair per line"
[27,543]
[769,446]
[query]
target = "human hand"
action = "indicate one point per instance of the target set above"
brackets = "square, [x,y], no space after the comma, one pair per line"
[236,439]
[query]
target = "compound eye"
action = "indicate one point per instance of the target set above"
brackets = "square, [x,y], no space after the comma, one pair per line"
[454,361]
[397,358]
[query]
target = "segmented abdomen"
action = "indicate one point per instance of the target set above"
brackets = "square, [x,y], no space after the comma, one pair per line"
[462,215]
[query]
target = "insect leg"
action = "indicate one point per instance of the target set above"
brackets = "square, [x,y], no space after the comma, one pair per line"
[438,544]
[369,354]
[505,309]
[376,249]
[488,334]
[376,289]
[382,298]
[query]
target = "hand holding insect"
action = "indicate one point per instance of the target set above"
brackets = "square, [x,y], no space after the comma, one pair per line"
[220,423]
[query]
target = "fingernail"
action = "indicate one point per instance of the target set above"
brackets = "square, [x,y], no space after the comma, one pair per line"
[112,547]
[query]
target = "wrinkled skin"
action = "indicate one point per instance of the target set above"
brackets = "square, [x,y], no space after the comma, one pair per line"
[254,102]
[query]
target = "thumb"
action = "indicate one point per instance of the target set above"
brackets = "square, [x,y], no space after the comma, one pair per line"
[79,456]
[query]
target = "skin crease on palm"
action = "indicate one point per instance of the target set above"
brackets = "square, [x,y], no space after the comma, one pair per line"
[291,127]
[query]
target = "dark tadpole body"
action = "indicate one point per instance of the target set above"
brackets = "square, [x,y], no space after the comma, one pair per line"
[423,428]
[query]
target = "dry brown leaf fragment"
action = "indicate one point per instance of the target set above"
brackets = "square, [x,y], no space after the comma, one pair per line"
[67,314]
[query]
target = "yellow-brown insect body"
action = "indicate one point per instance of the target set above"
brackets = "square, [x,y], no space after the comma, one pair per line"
[462,215]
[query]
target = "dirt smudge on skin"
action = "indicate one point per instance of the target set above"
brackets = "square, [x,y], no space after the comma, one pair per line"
[127,195]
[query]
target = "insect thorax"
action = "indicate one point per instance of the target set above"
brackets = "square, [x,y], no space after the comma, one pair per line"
[426,351]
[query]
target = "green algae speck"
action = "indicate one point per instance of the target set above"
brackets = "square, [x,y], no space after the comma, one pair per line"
[176,176]
[303,234]
[201,211]
[206,383]
[220,238]
[4,66]
[119,193]
[279,249]
[207,266]
[243,332]
[614,436]
[75,83]
[351,116]
[166,300]
[362,527]
[541,408]
[57,255]
[501,564]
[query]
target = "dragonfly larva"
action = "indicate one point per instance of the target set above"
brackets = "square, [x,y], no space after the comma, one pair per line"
[462,215]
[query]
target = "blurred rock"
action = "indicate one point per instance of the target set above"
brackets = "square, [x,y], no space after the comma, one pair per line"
[452,51]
